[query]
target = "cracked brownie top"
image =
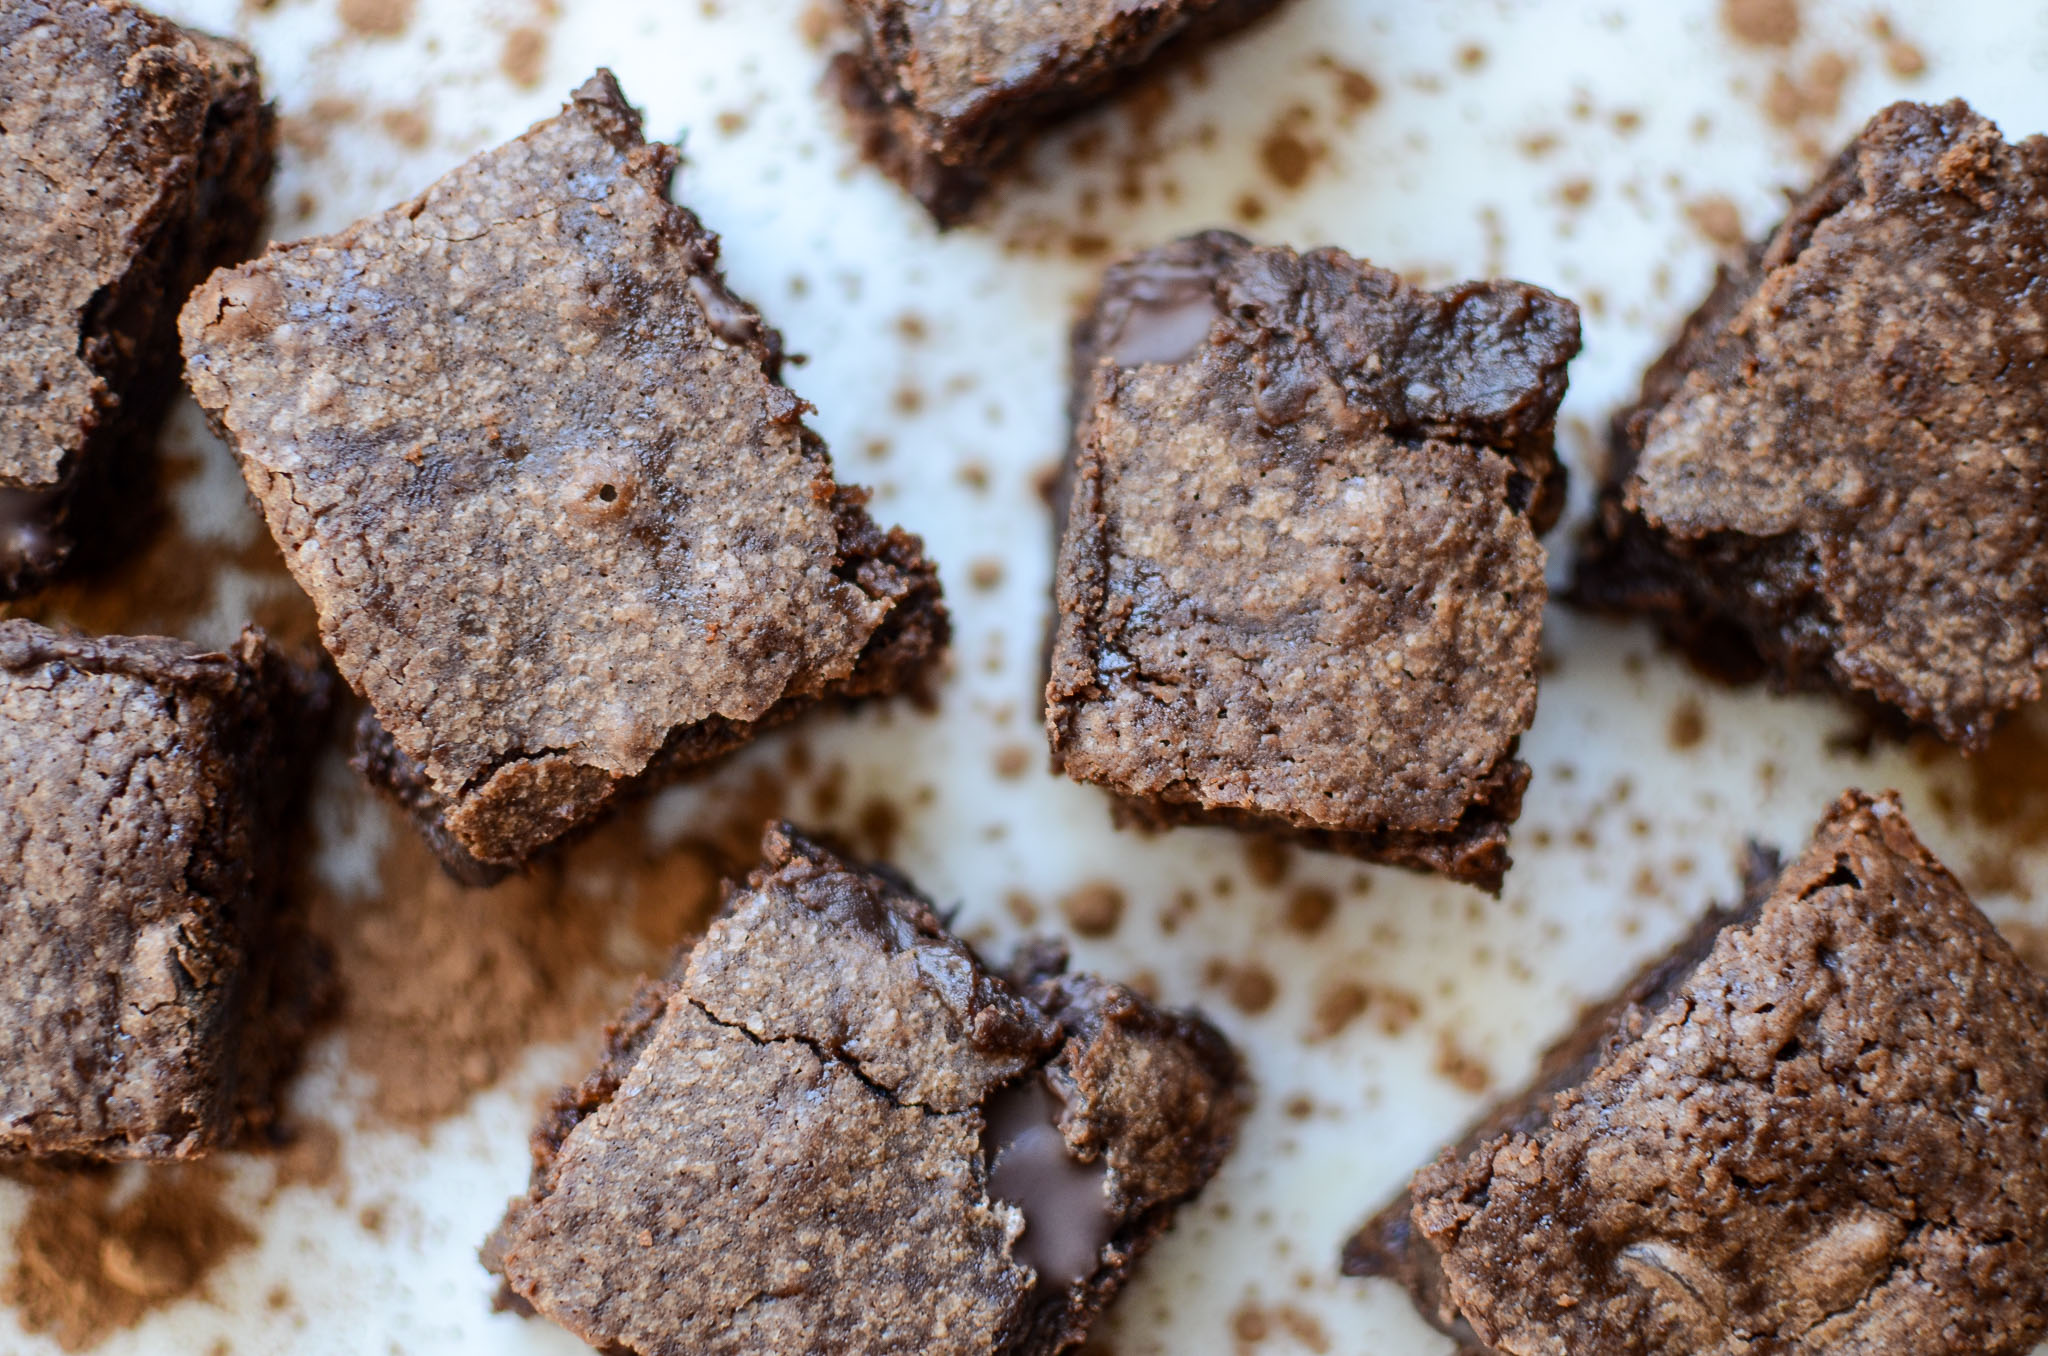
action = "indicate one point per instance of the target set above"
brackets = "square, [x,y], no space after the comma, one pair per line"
[534,465]
[1832,1136]
[1300,577]
[831,1129]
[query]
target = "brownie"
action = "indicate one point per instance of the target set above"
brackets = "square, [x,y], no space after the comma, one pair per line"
[564,526]
[832,1128]
[154,980]
[133,160]
[944,95]
[1299,587]
[1838,476]
[1817,1127]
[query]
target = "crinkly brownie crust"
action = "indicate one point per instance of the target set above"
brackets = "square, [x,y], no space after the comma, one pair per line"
[832,1129]
[134,160]
[153,981]
[1838,476]
[1299,587]
[1824,1135]
[535,466]
[944,95]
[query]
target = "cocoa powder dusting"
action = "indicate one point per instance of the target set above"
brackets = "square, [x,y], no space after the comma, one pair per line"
[524,58]
[92,1259]
[1763,23]
[446,985]
[376,18]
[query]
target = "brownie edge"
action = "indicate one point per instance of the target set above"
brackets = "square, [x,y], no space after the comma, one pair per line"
[1815,1127]
[140,155]
[1299,588]
[1837,477]
[629,605]
[944,98]
[832,1102]
[155,976]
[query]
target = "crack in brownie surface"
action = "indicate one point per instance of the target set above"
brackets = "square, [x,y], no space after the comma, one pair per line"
[831,1129]
[1839,473]
[133,159]
[536,469]
[1820,1130]
[152,982]
[1300,586]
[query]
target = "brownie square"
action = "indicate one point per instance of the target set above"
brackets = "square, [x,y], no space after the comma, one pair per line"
[153,981]
[564,526]
[1300,588]
[133,160]
[831,1128]
[1818,1127]
[943,96]
[1838,475]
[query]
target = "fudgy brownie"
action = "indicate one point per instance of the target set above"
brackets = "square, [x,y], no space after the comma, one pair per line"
[133,159]
[153,980]
[1299,587]
[945,94]
[563,524]
[1817,1127]
[1838,476]
[832,1129]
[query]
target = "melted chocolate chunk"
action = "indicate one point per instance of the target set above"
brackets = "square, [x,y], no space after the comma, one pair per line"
[1067,1216]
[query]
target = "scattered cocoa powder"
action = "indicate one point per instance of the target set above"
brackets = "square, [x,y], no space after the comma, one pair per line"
[309,1157]
[1461,1066]
[1309,909]
[986,573]
[1288,151]
[446,985]
[524,57]
[2030,940]
[1094,909]
[99,1248]
[376,18]
[1250,987]
[1012,761]
[1267,860]
[1718,219]
[411,128]
[1764,23]
[1816,93]
[1688,725]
